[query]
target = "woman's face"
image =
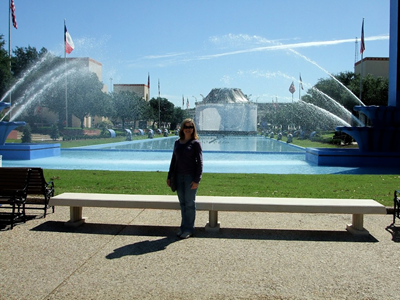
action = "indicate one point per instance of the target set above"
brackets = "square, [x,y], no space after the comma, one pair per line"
[188,128]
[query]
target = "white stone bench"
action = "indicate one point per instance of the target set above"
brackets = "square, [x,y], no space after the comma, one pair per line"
[213,204]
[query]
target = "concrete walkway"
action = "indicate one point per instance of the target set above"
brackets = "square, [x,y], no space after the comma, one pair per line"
[133,254]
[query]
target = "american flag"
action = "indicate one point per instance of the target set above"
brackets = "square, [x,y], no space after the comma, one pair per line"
[301,83]
[14,19]
[292,89]
[362,47]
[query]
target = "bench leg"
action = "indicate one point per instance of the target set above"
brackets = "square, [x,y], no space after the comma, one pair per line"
[213,224]
[357,228]
[75,217]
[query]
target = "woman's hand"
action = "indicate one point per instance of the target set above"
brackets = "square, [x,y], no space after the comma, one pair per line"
[194,185]
[169,182]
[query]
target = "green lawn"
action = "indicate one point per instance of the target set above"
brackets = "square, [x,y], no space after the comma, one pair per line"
[377,187]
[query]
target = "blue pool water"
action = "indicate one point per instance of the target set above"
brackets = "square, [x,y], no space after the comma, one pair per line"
[220,154]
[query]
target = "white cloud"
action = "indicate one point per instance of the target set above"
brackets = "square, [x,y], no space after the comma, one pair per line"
[290,46]
[226,79]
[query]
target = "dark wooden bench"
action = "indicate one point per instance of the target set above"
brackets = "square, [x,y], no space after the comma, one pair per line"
[396,208]
[39,191]
[13,192]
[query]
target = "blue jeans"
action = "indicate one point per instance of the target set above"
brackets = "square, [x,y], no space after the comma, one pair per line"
[187,200]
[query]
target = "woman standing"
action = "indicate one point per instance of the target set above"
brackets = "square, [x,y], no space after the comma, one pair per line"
[187,161]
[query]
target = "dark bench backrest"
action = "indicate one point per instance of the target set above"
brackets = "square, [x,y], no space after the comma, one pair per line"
[13,178]
[37,182]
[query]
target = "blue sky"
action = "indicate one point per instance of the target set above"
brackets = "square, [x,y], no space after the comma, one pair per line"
[259,46]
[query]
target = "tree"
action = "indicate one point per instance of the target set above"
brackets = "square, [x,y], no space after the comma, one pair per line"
[54,133]
[329,93]
[24,58]
[375,90]
[35,71]
[85,95]
[26,134]
[178,117]
[37,63]
[6,77]
[339,98]
[140,111]
[127,106]
[162,107]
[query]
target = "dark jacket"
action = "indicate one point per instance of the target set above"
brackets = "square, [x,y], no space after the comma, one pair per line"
[188,159]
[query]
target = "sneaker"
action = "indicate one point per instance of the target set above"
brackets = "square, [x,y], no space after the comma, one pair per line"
[186,235]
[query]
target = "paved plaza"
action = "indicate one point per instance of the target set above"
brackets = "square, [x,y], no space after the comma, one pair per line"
[134,254]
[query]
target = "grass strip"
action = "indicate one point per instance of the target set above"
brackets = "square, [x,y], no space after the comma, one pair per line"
[377,187]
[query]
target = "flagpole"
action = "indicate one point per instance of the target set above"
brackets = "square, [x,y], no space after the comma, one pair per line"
[362,57]
[159,106]
[299,90]
[361,75]
[66,80]
[9,49]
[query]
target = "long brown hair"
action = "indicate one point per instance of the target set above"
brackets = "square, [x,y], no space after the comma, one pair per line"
[194,133]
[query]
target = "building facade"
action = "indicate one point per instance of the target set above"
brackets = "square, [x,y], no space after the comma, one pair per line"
[142,90]
[376,66]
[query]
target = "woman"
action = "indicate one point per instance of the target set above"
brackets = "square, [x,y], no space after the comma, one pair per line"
[187,161]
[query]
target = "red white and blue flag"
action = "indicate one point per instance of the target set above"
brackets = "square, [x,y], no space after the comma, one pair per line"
[301,83]
[362,47]
[69,44]
[292,89]
[14,19]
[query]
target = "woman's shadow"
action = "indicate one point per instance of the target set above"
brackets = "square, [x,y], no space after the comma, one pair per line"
[141,248]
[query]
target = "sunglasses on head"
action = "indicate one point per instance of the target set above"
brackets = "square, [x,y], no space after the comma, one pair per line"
[188,127]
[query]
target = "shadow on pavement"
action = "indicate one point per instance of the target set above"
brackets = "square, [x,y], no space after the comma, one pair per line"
[224,233]
[143,247]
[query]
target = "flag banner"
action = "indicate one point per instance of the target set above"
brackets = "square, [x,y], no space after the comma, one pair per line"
[362,47]
[187,103]
[69,44]
[14,19]
[292,89]
[183,101]
[301,83]
[148,81]
[158,87]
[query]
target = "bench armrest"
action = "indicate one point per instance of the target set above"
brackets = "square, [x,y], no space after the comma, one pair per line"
[49,188]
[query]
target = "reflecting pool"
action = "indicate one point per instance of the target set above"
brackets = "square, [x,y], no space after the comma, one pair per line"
[221,155]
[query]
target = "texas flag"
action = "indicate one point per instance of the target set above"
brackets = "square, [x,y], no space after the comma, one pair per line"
[69,44]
